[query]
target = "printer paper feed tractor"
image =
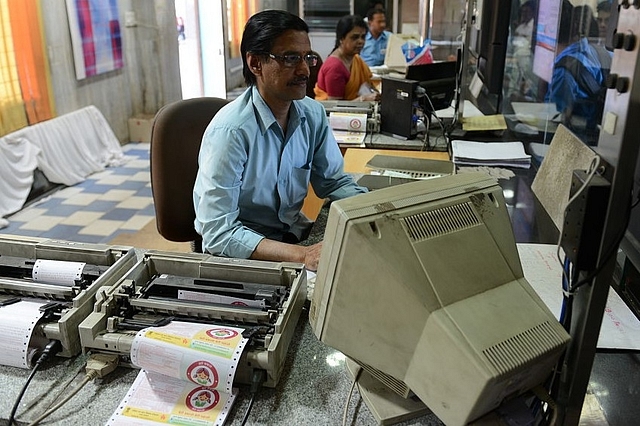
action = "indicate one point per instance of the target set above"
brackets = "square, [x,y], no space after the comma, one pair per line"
[64,306]
[264,298]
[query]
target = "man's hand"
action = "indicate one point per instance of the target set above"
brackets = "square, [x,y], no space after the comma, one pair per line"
[312,256]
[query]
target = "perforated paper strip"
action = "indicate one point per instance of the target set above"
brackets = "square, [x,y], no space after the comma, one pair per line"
[19,345]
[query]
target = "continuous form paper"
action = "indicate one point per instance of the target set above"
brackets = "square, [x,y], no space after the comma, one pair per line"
[217,298]
[154,398]
[17,325]
[57,272]
[620,328]
[187,377]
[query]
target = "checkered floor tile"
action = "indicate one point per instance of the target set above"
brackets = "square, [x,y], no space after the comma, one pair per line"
[107,203]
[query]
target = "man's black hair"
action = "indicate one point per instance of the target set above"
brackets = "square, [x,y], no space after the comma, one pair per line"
[261,31]
[375,11]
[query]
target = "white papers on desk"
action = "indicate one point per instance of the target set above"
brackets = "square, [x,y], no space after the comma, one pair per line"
[348,128]
[620,327]
[187,377]
[507,154]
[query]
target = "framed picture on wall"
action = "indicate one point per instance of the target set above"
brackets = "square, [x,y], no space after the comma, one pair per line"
[95,36]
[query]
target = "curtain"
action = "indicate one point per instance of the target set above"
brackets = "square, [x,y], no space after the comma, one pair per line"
[238,13]
[12,113]
[25,85]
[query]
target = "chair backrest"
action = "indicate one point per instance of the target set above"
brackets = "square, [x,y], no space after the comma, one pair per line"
[176,136]
[313,77]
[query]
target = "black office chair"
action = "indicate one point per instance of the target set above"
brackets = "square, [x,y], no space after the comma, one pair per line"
[176,136]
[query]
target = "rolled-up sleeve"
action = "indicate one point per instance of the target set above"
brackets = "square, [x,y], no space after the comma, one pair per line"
[327,175]
[216,194]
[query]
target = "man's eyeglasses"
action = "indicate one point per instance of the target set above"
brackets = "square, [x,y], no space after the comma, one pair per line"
[293,60]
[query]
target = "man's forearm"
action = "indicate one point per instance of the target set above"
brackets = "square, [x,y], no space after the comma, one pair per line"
[283,252]
[278,251]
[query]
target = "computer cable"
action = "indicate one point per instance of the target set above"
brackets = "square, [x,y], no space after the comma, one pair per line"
[52,348]
[565,311]
[346,403]
[543,395]
[432,112]
[98,366]
[257,379]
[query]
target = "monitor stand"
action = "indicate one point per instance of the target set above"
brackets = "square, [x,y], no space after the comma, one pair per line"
[387,407]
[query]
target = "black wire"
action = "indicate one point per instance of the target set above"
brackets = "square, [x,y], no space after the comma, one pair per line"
[22,391]
[52,348]
[246,413]
[258,377]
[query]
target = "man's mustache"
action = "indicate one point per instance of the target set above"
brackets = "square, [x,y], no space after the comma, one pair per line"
[300,80]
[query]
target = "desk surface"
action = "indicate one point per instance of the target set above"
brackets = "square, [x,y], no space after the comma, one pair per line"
[355,161]
[314,385]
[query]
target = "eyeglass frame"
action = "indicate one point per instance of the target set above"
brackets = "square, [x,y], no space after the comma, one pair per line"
[299,58]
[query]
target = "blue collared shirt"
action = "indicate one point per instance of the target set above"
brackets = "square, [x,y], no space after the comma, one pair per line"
[374,50]
[253,179]
[577,84]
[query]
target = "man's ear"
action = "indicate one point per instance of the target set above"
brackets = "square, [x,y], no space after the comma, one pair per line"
[255,64]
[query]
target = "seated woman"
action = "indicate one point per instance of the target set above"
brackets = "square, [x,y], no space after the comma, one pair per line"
[344,75]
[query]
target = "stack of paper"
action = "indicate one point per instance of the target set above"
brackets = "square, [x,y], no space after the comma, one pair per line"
[508,154]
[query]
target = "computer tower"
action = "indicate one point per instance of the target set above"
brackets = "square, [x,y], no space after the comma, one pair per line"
[397,107]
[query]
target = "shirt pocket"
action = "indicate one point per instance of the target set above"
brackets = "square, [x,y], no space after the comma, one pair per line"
[297,185]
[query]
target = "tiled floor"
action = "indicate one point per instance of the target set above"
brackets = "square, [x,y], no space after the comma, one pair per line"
[107,203]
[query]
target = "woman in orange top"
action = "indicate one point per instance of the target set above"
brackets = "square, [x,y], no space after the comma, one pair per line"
[344,75]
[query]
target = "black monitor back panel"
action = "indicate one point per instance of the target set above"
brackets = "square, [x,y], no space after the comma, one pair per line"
[439,82]
[397,107]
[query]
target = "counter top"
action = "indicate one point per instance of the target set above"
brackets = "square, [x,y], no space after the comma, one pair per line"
[313,390]
[315,385]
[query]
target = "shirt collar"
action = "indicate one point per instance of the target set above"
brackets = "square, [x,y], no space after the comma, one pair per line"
[266,119]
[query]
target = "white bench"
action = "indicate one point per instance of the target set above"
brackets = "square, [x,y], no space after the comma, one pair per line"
[66,149]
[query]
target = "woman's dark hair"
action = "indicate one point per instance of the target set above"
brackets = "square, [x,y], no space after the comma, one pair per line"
[346,24]
[260,32]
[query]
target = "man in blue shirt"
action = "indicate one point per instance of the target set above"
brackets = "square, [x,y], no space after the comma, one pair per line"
[377,38]
[261,151]
[579,73]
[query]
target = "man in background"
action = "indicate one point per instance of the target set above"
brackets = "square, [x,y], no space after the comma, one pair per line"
[604,13]
[377,38]
[579,72]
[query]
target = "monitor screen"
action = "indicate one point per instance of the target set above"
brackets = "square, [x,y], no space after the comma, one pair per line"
[544,52]
[438,79]
[422,282]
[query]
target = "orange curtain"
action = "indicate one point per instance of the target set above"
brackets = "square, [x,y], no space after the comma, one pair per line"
[238,13]
[12,113]
[24,70]
[33,67]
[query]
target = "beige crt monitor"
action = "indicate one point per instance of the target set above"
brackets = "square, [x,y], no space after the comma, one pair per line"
[423,283]
[394,58]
